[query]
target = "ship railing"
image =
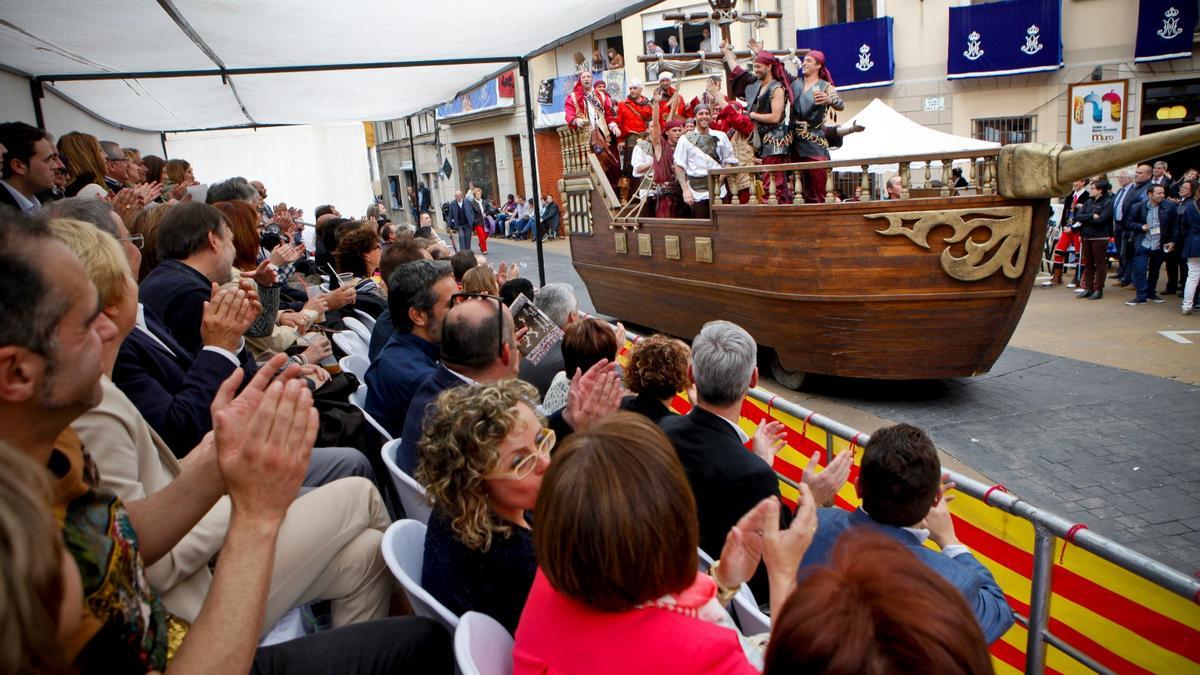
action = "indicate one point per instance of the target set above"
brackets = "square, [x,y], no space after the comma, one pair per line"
[1048,529]
[981,175]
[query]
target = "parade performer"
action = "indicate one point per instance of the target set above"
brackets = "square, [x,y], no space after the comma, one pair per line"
[730,118]
[673,106]
[633,118]
[663,137]
[768,99]
[696,153]
[589,106]
[813,95]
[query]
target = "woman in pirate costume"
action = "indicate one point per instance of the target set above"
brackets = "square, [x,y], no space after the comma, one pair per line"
[813,95]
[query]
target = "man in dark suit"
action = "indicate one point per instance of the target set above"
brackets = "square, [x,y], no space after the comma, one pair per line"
[29,164]
[1153,225]
[899,481]
[550,217]
[424,205]
[418,300]
[462,220]
[727,479]
[1123,205]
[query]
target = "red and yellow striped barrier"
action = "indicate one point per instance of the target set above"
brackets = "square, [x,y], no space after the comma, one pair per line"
[1124,622]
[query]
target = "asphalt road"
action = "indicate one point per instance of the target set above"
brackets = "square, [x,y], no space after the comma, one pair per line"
[1093,411]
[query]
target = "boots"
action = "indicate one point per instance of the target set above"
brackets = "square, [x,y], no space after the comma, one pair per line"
[1056,277]
[1096,295]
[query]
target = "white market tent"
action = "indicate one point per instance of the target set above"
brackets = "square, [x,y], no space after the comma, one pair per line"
[891,134]
[203,64]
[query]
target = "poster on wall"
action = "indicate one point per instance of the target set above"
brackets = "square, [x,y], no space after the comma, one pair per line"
[552,95]
[1096,113]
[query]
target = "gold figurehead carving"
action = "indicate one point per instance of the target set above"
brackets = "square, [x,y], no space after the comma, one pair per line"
[1008,242]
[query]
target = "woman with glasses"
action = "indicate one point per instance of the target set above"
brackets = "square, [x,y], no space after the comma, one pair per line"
[484,450]
[358,253]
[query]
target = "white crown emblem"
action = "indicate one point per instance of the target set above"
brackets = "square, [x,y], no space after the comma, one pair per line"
[973,37]
[1172,13]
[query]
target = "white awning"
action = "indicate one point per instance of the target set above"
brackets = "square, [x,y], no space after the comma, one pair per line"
[891,134]
[295,41]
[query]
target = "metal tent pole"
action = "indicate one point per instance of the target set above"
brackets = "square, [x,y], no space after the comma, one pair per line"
[537,199]
[412,152]
[37,93]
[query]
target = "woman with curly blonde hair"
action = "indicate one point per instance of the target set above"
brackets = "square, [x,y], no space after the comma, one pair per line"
[657,370]
[484,450]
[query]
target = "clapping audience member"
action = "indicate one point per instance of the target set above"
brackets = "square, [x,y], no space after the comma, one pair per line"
[145,224]
[404,250]
[116,166]
[656,372]
[358,254]
[418,301]
[30,162]
[558,302]
[483,452]
[615,535]
[54,329]
[903,496]
[726,479]
[585,343]
[178,177]
[889,611]
[334,530]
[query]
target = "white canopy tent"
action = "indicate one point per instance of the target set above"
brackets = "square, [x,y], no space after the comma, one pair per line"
[891,134]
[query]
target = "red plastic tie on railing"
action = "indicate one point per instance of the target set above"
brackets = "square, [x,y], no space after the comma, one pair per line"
[854,441]
[998,487]
[1070,539]
[804,431]
[771,404]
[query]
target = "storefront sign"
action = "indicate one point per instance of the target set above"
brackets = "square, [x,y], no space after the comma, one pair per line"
[1096,114]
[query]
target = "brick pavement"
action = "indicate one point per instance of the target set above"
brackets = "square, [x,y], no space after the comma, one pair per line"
[1115,449]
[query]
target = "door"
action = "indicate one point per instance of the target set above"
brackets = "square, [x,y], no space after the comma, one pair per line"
[477,164]
[518,162]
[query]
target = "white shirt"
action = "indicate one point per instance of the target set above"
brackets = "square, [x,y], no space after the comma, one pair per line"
[640,158]
[27,205]
[951,551]
[308,237]
[695,163]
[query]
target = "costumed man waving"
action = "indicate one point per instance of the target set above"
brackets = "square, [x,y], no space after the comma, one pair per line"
[768,99]
[633,118]
[663,137]
[588,106]
[696,153]
[729,117]
[813,95]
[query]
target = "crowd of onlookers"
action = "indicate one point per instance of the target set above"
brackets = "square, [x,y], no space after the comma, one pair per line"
[186,476]
[1147,221]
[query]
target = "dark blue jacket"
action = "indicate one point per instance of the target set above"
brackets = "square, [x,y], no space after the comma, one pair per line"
[1166,222]
[461,217]
[1137,193]
[173,391]
[380,334]
[393,378]
[176,294]
[440,380]
[1187,237]
[963,571]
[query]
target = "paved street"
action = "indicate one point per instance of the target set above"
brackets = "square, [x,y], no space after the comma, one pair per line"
[1112,441]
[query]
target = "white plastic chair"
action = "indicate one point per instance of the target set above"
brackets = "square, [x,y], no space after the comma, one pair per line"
[482,646]
[349,342]
[404,552]
[355,363]
[412,494]
[749,616]
[359,400]
[367,320]
[359,329]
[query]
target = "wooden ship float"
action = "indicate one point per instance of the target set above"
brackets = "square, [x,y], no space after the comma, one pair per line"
[927,286]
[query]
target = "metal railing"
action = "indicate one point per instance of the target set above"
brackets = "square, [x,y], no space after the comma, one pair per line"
[1048,528]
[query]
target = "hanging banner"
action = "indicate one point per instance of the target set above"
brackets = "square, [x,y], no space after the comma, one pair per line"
[1004,38]
[552,95]
[1097,113]
[490,95]
[1165,29]
[858,54]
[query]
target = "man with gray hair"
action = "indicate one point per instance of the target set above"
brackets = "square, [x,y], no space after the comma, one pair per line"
[558,302]
[116,166]
[727,480]
[232,190]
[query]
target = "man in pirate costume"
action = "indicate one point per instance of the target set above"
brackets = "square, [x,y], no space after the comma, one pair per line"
[588,106]
[663,137]
[767,99]
[633,119]
[813,95]
[696,153]
[673,106]
[729,117]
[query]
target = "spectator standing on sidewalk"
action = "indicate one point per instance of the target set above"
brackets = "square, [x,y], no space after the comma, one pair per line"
[1154,232]
[1095,220]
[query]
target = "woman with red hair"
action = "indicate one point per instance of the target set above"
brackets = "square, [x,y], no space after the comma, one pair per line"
[813,95]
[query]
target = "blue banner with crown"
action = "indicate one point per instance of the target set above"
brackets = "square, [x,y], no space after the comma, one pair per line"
[1165,29]
[858,54]
[1004,38]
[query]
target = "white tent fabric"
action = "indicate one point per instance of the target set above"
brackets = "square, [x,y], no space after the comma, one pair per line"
[54,37]
[891,134]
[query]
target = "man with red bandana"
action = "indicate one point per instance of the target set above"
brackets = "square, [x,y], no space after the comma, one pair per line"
[813,95]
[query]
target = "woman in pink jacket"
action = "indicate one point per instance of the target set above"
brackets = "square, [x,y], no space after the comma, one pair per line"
[617,589]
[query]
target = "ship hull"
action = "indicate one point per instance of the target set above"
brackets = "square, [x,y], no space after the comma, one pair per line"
[823,287]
